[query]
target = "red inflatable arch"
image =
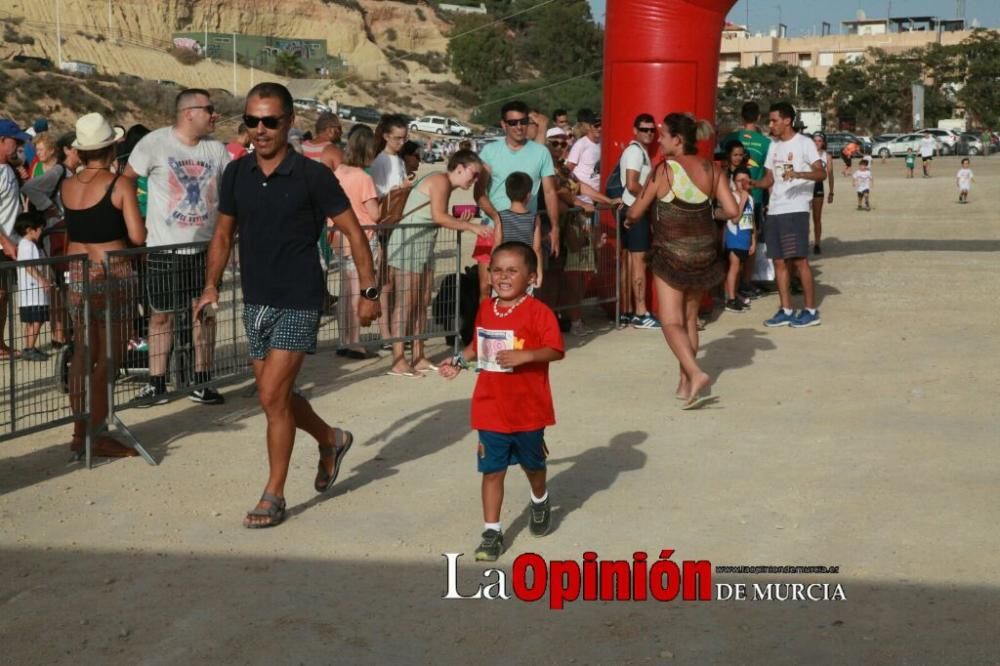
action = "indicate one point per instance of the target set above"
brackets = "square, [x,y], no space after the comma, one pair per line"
[660,56]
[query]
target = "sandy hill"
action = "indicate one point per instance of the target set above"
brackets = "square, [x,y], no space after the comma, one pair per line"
[394,50]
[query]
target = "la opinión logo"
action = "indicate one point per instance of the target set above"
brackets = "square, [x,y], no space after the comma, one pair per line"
[591,579]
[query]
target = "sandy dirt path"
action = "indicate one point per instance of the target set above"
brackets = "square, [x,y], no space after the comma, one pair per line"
[869,443]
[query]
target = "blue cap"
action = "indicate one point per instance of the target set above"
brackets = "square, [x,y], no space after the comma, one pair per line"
[41,125]
[9,129]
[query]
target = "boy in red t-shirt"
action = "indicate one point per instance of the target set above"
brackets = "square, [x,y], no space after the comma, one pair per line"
[517,336]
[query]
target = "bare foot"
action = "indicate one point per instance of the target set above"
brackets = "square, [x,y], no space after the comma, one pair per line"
[699,383]
[423,365]
[402,367]
[683,388]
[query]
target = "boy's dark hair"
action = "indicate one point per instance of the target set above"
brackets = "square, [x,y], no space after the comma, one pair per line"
[783,109]
[271,89]
[519,186]
[750,112]
[966,159]
[559,112]
[741,169]
[409,148]
[517,247]
[28,221]
[516,106]
[643,118]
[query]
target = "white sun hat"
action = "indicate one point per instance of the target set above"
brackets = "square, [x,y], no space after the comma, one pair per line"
[94,132]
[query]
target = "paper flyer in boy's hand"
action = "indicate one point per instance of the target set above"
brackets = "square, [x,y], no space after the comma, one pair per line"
[489,343]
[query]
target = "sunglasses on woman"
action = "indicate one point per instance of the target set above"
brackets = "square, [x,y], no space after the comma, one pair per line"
[270,122]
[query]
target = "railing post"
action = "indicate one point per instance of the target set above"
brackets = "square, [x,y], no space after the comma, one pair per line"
[12,361]
[459,345]
[88,362]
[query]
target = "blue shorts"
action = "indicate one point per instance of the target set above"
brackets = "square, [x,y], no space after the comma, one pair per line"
[279,328]
[499,450]
[637,238]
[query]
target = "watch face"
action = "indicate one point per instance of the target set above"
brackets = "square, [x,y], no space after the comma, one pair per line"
[371,293]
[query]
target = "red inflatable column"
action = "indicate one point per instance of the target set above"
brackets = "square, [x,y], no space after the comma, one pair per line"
[660,56]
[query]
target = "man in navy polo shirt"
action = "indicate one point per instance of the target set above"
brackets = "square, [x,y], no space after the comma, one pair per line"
[280,202]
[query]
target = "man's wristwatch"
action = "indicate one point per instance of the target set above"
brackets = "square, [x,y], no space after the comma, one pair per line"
[371,293]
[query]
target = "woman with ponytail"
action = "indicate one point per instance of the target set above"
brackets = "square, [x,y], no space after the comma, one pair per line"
[684,257]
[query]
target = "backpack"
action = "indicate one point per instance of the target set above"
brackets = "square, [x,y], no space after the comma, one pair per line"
[613,187]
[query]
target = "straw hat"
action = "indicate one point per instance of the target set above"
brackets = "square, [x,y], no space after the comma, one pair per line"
[93,132]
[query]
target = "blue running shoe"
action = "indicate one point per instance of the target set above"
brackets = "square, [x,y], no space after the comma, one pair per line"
[647,321]
[804,319]
[779,319]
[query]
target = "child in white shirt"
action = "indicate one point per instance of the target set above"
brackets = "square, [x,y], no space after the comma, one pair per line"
[863,180]
[33,284]
[964,179]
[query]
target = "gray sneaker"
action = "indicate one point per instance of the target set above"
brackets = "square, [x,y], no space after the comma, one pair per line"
[539,517]
[490,547]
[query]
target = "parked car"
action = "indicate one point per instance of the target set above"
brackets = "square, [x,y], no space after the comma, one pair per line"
[899,145]
[45,63]
[947,139]
[836,141]
[310,105]
[970,143]
[363,114]
[439,125]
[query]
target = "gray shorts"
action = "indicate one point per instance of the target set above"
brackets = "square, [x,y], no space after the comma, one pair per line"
[279,328]
[787,235]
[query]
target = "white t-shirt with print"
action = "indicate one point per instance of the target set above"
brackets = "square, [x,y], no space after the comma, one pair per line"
[183,185]
[586,155]
[862,180]
[30,293]
[927,146]
[634,158]
[796,154]
[10,201]
[964,177]
[388,171]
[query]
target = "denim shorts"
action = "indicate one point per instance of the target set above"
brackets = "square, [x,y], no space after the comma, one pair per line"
[280,328]
[499,450]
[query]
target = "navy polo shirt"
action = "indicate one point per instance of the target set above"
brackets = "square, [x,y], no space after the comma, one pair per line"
[280,219]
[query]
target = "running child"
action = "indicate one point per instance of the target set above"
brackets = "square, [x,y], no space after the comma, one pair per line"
[911,162]
[739,240]
[863,180]
[34,284]
[517,336]
[964,179]
[518,223]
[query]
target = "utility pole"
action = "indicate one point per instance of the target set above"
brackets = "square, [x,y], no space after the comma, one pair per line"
[58,36]
[234,64]
[206,37]
[111,27]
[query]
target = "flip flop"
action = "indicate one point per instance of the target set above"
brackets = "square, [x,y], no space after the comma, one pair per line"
[699,402]
[347,438]
[429,368]
[409,375]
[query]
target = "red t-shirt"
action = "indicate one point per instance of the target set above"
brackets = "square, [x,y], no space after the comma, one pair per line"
[236,149]
[521,400]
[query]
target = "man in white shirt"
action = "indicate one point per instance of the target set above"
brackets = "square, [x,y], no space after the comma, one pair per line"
[928,145]
[184,169]
[635,168]
[11,138]
[792,166]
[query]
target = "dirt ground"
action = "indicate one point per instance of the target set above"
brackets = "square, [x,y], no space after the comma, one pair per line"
[867,443]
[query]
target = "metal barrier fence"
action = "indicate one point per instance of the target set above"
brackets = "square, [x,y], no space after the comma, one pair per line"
[41,312]
[587,272]
[144,297]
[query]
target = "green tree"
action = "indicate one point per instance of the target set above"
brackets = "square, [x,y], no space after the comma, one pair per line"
[289,64]
[582,92]
[480,54]
[766,84]
[561,41]
[980,92]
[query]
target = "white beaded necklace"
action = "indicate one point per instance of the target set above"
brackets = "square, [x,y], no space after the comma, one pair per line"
[502,315]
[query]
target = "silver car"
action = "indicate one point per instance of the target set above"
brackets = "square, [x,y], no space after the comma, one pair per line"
[899,146]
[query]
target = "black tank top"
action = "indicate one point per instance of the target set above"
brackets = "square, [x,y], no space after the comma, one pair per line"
[101,223]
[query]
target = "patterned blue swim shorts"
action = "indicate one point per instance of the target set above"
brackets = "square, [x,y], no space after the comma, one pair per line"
[278,328]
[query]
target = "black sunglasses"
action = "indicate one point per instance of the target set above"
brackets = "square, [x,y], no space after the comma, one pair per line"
[208,107]
[518,121]
[646,130]
[560,144]
[270,122]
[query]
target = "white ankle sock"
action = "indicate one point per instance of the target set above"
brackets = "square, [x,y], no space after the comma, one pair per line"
[787,311]
[811,311]
[492,526]
[539,500]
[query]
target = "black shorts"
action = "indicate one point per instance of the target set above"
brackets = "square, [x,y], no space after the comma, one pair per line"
[174,280]
[742,255]
[818,191]
[929,158]
[34,314]
[637,237]
[787,236]
[847,160]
